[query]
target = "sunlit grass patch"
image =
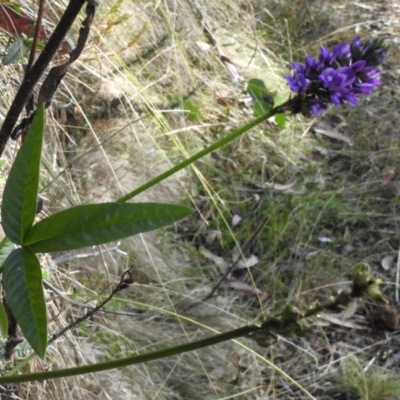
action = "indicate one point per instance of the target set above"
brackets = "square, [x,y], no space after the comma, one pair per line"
[368,381]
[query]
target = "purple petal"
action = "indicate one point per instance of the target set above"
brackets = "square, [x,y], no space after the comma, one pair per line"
[327,77]
[357,41]
[297,82]
[341,52]
[298,67]
[311,64]
[336,98]
[324,57]
[351,99]
[358,65]
[363,88]
[316,106]
[344,76]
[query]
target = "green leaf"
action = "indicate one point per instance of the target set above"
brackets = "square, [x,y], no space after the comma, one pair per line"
[16,52]
[22,281]
[6,247]
[260,108]
[256,89]
[280,120]
[192,111]
[3,320]
[259,93]
[18,209]
[93,224]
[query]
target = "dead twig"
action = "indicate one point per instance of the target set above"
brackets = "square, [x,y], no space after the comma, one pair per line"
[36,71]
[125,281]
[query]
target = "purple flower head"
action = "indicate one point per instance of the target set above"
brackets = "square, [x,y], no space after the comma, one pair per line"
[337,77]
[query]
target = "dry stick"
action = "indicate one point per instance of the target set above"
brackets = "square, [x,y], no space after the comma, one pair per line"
[30,103]
[57,73]
[34,74]
[35,36]
[84,305]
[13,339]
[125,281]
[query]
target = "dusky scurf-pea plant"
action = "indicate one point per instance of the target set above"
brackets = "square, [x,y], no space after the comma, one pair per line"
[337,77]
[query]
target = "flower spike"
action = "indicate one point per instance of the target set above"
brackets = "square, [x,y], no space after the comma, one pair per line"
[337,77]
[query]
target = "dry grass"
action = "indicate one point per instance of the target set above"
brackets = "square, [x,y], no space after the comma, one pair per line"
[125,122]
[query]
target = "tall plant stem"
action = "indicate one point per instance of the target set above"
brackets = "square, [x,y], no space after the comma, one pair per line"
[124,362]
[222,142]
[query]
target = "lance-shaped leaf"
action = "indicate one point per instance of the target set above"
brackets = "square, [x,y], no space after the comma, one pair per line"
[93,224]
[22,281]
[3,320]
[6,247]
[18,209]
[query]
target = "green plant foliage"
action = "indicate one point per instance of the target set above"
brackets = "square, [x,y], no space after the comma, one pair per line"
[6,247]
[16,52]
[3,320]
[280,120]
[22,281]
[192,111]
[93,224]
[264,100]
[373,384]
[18,209]
[78,227]
[257,90]
[260,108]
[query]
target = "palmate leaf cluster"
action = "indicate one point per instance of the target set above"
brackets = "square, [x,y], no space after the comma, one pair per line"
[74,228]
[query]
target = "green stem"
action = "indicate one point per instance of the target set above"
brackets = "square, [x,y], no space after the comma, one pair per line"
[124,362]
[225,140]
